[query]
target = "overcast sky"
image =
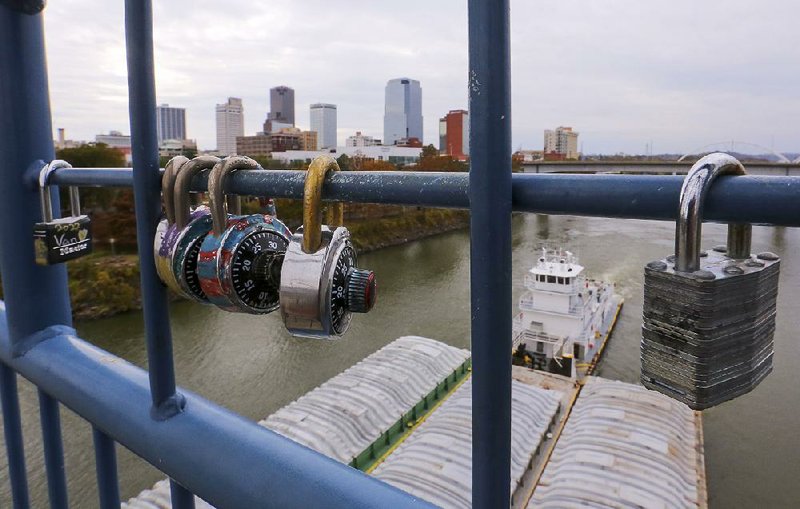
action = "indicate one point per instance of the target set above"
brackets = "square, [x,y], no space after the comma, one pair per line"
[624,73]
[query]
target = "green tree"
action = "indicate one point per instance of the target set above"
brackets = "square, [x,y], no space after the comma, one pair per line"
[344,162]
[98,155]
[429,151]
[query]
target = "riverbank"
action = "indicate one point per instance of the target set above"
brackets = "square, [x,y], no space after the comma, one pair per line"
[103,285]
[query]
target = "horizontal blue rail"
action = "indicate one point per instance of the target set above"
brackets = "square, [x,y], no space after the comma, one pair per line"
[731,199]
[227,460]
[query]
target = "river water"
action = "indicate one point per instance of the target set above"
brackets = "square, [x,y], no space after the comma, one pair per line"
[252,366]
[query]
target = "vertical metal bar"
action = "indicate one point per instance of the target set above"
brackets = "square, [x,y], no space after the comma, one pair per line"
[490,250]
[53,451]
[181,497]
[35,297]
[146,187]
[105,461]
[12,428]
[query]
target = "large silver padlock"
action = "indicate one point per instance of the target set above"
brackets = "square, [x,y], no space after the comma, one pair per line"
[239,262]
[320,283]
[60,240]
[708,317]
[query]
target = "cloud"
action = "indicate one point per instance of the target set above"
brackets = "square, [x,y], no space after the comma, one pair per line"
[623,73]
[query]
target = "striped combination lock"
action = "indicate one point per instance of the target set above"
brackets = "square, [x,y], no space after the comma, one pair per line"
[60,240]
[181,232]
[239,263]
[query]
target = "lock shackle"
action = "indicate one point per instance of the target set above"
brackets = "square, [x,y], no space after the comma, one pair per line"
[183,180]
[44,191]
[688,228]
[318,170]
[216,189]
[171,170]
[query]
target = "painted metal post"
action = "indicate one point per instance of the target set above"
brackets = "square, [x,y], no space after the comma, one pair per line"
[105,462]
[36,297]
[12,429]
[147,198]
[53,452]
[490,251]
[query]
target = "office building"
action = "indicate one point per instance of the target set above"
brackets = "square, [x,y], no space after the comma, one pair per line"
[403,112]
[360,140]
[454,134]
[281,109]
[560,144]
[323,122]
[170,123]
[174,147]
[230,124]
[254,146]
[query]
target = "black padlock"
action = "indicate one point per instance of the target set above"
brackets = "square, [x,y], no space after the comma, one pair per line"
[64,239]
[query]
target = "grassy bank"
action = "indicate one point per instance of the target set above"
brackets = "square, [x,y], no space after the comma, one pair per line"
[103,285]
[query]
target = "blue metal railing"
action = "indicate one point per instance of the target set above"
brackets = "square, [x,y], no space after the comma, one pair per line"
[143,409]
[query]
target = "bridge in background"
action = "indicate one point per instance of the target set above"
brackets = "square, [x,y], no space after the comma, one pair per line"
[650,167]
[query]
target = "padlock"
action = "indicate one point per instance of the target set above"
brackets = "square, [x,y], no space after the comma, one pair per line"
[240,260]
[64,239]
[708,317]
[166,231]
[180,235]
[320,284]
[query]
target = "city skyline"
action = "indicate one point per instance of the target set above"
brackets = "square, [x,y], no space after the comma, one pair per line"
[624,81]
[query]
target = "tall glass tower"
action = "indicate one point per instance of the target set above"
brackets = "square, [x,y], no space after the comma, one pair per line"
[403,114]
[323,121]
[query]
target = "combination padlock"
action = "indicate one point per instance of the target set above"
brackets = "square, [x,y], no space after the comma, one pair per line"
[320,284]
[64,239]
[239,264]
[166,231]
[708,317]
[181,237]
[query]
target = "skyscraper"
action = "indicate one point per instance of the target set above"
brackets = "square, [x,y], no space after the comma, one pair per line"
[281,109]
[323,121]
[403,114]
[230,124]
[170,123]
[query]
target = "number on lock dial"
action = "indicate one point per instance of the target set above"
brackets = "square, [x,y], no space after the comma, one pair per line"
[255,269]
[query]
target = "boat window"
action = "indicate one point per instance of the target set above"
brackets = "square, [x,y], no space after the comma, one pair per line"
[561,280]
[551,279]
[539,347]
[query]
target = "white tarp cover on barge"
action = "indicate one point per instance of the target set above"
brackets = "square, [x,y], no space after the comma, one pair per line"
[624,446]
[435,462]
[346,414]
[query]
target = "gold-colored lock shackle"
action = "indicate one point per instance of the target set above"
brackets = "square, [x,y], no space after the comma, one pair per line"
[182,183]
[44,190]
[318,170]
[688,228]
[168,179]
[216,189]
